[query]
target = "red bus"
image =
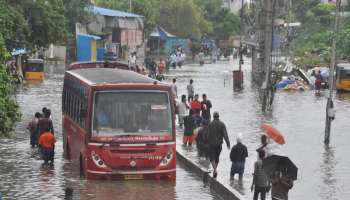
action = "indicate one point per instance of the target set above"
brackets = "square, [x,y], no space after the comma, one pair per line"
[118,124]
[99,64]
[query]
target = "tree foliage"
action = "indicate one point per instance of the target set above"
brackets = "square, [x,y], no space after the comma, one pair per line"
[76,11]
[222,23]
[313,44]
[13,25]
[181,17]
[46,21]
[9,109]
[39,23]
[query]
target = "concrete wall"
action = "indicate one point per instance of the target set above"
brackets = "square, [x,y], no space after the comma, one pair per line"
[56,52]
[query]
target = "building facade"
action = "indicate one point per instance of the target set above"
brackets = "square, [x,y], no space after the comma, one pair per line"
[121,32]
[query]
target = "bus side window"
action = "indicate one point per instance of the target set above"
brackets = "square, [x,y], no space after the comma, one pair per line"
[66,103]
[82,114]
[78,111]
[76,108]
[70,105]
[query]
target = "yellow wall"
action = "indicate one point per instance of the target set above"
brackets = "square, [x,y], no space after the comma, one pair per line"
[93,50]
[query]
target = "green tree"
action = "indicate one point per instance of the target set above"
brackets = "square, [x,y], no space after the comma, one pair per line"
[182,18]
[13,25]
[150,10]
[40,22]
[313,44]
[46,21]
[226,24]
[9,109]
[76,11]
[221,22]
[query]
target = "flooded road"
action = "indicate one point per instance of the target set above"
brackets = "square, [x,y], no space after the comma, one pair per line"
[324,172]
[23,177]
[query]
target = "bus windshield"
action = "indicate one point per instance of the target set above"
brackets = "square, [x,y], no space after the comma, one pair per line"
[344,74]
[131,113]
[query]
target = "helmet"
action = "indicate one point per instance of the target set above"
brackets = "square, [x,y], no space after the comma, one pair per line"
[216,115]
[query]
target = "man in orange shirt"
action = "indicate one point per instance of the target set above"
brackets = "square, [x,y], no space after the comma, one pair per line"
[196,105]
[47,146]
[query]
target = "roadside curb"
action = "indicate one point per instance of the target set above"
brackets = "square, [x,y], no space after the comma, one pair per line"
[224,190]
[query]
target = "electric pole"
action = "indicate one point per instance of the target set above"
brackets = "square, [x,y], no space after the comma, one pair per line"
[238,75]
[268,33]
[330,106]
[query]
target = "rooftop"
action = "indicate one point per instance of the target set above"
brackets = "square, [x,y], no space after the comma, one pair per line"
[107,75]
[113,13]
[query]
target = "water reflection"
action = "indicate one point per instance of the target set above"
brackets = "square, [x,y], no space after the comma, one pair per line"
[328,187]
[343,96]
[145,190]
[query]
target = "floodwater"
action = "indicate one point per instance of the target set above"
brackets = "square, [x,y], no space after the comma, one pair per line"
[22,175]
[324,171]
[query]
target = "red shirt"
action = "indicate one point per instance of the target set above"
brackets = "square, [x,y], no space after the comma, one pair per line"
[47,140]
[196,106]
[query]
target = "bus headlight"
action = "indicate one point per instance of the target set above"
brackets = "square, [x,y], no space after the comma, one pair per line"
[97,160]
[167,159]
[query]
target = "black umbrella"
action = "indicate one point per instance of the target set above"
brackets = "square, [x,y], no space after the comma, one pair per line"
[275,163]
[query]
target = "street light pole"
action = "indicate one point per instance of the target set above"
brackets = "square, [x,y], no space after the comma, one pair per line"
[330,105]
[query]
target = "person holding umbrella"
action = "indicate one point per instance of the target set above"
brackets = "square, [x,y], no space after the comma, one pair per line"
[281,184]
[270,133]
[281,172]
[263,147]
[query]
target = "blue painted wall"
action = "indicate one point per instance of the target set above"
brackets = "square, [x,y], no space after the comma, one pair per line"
[100,54]
[83,48]
[175,42]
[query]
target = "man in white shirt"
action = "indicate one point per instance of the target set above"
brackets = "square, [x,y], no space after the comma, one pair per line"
[190,90]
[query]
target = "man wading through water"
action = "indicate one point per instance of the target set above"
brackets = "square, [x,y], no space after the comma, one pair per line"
[217,132]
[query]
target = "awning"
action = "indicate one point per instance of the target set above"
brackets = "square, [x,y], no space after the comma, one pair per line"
[112,13]
[90,36]
[161,33]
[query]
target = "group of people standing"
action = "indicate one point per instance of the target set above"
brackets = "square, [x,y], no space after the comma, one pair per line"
[194,116]
[177,58]
[42,134]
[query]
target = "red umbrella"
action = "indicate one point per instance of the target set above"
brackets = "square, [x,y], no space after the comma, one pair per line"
[273,133]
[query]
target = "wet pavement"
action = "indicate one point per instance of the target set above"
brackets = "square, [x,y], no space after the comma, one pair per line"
[22,175]
[324,172]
